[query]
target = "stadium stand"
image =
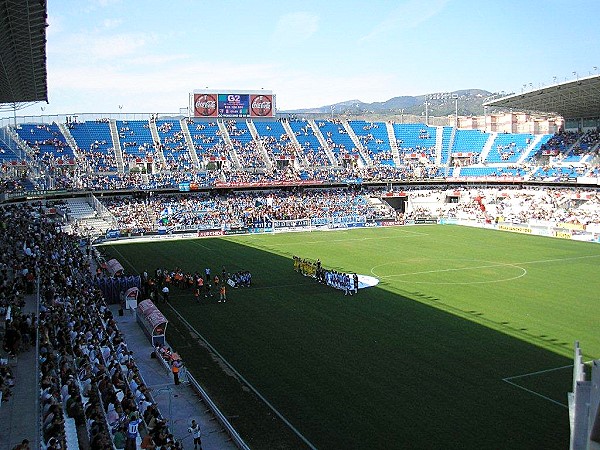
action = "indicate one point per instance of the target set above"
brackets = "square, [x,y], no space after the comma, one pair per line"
[208,142]
[508,147]
[276,141]
[206,211]
[246,148]
[415,142]
[373,136]
[94,145]
[7,155]
[235,152]
[338,140]
[313,151]
[470,141]
[47,142]
[136,140]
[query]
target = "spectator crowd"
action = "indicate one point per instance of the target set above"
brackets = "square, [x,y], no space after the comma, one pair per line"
[89,380]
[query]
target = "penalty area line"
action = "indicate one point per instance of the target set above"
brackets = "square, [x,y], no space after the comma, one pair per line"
[537,373]
[535,393]
[508,380]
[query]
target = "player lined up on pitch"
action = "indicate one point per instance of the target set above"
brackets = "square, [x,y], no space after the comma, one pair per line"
[347,282]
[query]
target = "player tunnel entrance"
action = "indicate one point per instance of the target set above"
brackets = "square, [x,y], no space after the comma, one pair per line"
[398,201]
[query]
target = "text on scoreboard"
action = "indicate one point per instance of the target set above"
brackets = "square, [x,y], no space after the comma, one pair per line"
[233,105]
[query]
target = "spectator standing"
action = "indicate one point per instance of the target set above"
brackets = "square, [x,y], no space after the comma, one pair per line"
[175,366]
[132,431]
[196,434]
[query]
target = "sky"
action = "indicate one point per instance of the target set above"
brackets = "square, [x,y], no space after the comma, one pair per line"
[146,56]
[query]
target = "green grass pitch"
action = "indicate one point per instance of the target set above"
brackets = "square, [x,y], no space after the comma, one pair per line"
[465,343]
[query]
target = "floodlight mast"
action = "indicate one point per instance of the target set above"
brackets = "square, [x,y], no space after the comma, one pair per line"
[455,96]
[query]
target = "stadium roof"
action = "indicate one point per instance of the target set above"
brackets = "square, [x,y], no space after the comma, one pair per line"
[23,51]
[572,100]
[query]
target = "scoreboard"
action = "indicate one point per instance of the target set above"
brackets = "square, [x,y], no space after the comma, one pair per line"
[234,105]
[211,103]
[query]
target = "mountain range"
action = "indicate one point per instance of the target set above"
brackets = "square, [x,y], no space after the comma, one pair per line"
[468,102]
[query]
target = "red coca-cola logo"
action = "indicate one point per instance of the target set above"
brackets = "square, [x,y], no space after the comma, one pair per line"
[205,105]
[261,105]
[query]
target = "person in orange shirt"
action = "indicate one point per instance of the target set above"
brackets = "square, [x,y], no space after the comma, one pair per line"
[175,366]
[222,294]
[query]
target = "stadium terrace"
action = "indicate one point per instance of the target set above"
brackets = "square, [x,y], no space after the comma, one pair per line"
[191,153]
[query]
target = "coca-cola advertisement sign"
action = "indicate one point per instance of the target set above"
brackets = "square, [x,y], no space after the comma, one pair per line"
[205,105]
[261,106]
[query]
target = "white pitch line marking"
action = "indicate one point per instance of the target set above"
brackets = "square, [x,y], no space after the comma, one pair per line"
[507,380]
[409,234]
[536,393]
[486,266]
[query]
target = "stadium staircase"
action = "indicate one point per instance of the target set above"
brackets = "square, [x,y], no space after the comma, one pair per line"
[446,165]
[11,150]
[384,207]
[25,152]
[316,130]
[527,153]
[114,135]
[21,144]
[300,156]
[439,140]
[393,144]
[157,148]
[69,138]
[485,151]
[593,159]
[83,212]
[361,149]
[592,155]
[260,144]
[189,143]
[232,154]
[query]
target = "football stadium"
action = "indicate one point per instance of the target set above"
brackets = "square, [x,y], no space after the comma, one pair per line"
[239,276]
